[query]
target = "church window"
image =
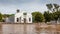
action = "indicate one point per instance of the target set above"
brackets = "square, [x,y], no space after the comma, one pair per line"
[17,19]
[29,19]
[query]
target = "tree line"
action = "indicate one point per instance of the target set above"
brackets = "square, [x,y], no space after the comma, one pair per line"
[53,13]
[2,16]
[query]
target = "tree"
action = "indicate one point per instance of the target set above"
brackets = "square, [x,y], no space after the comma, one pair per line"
[48,16]
[53,7]
[49,6]
[55,12]
[7,15]
[56,15]
[56,6]
[37,16]
[0,17]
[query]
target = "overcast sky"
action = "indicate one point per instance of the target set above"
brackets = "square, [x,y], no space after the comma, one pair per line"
[10,6]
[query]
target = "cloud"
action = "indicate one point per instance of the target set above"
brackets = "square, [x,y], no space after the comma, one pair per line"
[10,6]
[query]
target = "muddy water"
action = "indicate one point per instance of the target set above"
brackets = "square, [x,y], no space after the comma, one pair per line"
[28,29]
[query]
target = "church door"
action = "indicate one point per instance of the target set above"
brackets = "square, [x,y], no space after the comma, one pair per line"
[24,20]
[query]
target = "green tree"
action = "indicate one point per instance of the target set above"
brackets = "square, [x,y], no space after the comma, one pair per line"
[56,15]
[53,7]
[56,6]
[7,15]
[37,17]
[0,17]
[49,6]
[48,16]
[55,11]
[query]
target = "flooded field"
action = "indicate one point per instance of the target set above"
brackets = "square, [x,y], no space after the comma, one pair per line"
[29,29]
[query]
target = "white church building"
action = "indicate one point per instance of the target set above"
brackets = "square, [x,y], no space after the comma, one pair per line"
[20,17]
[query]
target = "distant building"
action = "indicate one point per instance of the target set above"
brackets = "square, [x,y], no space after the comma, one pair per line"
[20,17]
[54,21]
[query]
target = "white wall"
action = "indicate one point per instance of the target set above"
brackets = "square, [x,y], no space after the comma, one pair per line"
[20,14]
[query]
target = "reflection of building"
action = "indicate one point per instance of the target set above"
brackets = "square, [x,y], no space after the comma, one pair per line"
[20,17]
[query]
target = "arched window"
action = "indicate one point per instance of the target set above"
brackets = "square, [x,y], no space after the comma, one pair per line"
[24,13]
[29,19]
[17,19]
[24,20]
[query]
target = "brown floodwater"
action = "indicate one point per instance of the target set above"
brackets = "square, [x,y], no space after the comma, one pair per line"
[29,29]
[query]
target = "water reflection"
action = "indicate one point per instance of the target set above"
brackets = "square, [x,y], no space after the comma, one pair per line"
[28,29]
[41,29]
[0,29]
